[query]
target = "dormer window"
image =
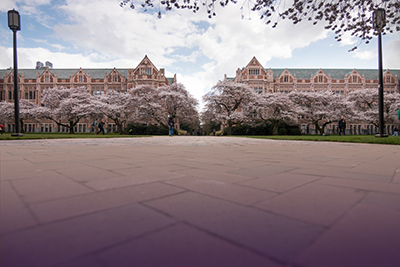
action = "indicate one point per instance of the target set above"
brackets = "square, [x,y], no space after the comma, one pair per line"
[46,79]
[115,79]
[320,79]
[254,71]
[354,79]
[80,79]
[146,71]
[387,79]
[286,78]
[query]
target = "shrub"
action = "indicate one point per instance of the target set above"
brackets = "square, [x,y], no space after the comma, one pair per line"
[143,129]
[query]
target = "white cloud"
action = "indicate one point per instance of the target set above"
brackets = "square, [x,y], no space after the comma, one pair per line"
[365,55]
[391,52]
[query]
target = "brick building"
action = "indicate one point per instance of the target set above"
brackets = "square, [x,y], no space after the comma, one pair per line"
[339,81]
[97,81]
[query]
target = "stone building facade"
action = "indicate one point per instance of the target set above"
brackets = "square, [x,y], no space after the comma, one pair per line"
[97,82]
[338,81]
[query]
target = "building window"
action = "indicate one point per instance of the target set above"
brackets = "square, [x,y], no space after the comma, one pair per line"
[321,79]
[80,79]
[46,79]
[286,78]
[146,71]
[354,79]
[387,79]
[26,95]
[254,72]
[115,79]
[10,95]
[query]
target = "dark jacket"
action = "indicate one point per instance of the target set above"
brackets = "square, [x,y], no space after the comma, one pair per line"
[101,125]
[171,122]
[342,124]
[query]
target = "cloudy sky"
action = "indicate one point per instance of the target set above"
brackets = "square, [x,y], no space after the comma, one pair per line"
[101,34]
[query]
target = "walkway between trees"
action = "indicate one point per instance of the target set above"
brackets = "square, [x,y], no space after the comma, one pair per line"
[198,201]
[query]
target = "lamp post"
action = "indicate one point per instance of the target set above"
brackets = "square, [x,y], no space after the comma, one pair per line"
[14,23]
[379,19]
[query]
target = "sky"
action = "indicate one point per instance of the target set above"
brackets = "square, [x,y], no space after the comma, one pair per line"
[199,50]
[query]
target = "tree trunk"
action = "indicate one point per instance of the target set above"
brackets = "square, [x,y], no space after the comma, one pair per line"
[21,122]
[275,128]
[230,127]
[320,130]
[71,127]
[120,128]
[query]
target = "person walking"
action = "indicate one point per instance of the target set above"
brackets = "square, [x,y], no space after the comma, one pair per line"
[1,129]
[171,125]
[96,126]
[395,131]
[101,126]
[342,126]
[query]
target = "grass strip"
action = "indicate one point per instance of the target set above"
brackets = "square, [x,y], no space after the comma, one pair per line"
[367,139]
[7,136]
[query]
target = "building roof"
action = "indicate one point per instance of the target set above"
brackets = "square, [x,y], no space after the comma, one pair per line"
[369,74]
[63,73]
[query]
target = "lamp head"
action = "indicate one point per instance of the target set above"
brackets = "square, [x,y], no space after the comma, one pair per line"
[14,20]
[379,19]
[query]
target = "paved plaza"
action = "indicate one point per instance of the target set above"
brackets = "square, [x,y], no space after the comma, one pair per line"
[199,201]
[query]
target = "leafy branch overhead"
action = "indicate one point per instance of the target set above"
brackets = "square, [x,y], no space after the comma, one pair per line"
[340,16]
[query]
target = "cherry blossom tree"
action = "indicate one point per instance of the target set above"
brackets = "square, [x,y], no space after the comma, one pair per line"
[366,106]
[6,111]
[319,108]
[178,103]
[149,108]
[275,108]
[67,107]
[117,106]
[27,111]
[228,101]
[353,16]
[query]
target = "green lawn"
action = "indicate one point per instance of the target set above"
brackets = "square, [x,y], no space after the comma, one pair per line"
[7,136]
[370,139]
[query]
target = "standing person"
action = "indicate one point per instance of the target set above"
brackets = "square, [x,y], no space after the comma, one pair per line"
[342,126]
[171,125]
[96,126]
[101,126]
[1,129]
[193,132]
[214,132]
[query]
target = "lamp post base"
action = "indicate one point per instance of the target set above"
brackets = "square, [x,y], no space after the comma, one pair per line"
[381,135]
[17,134]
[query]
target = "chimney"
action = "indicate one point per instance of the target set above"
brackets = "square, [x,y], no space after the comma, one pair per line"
[39,64]
[49,65]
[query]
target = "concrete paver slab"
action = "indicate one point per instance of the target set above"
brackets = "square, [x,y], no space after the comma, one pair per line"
[48,187]
[317,204]
[51,244]
[391,188]
[369,236]
[276,237]
[231,192]
[89,203]
[14,213]
[181,245]
[261,171]
[281,182]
